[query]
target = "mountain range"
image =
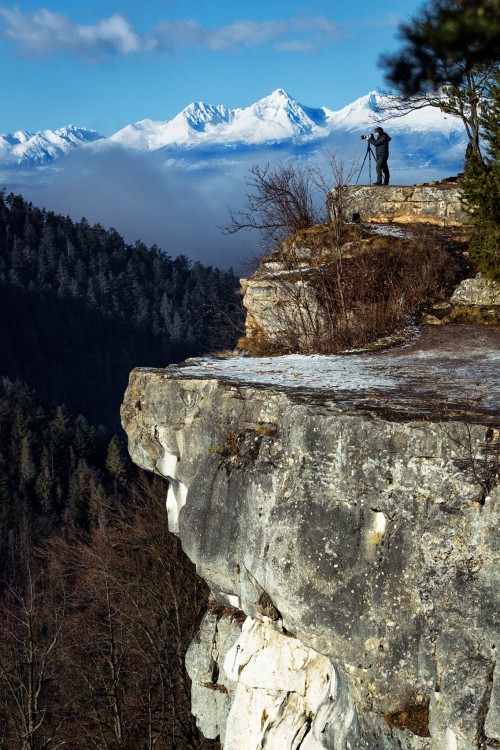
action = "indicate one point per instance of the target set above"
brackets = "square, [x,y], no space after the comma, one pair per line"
[276,120]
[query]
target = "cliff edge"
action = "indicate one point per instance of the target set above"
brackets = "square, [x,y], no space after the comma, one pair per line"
[348,507]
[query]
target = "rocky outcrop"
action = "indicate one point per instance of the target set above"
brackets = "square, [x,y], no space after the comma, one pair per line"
[477,292]
[350,507]
[438,204]
[286,695]
[476,300]
[281,307]
[212,691]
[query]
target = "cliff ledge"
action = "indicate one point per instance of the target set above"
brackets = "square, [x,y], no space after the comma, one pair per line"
[349,506]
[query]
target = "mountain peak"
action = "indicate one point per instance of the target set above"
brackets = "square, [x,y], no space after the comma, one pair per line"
[280,95]
[373,99]
[198,115]
[278,98]
[44,146]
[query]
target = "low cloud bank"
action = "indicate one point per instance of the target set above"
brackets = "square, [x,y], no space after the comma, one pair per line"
[180,205]
[179,210]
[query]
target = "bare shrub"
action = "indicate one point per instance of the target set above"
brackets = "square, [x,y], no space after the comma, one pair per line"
[412,716]
[379,289]
[351,294]
[478,454]
[280,202]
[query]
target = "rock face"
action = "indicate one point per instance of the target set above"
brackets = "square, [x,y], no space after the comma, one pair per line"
[352,512]
[432,204]
[273,678]
[281,309]
[478,292]
[212,692]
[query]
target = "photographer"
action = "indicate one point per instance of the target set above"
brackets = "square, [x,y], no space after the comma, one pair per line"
[381,143]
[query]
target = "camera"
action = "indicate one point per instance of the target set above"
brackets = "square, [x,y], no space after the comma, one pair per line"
[366,137]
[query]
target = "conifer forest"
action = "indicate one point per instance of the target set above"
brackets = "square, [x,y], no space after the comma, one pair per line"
[97,601]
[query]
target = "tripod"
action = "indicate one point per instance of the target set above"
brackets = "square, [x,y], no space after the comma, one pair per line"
[370,155]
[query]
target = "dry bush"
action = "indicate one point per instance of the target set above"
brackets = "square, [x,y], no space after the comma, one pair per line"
[259,344]
[280,201]
[225,610]
[344,299]
[379,289]
[412,717]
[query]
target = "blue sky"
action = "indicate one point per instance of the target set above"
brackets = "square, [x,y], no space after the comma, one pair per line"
[105,64]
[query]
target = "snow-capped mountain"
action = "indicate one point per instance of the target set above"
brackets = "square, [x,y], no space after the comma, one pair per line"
[23,147]
[170,182]
[367,110]
[189,127]
[276,119]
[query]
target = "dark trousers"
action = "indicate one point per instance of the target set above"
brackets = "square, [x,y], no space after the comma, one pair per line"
[382,167]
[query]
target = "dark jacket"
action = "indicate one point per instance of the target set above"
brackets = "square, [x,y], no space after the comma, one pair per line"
[382,145]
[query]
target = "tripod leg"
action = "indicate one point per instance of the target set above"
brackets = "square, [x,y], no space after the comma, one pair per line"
[368,153]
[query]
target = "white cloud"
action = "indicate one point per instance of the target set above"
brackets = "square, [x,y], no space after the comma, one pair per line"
[382,21]
[295,34]
[45,33]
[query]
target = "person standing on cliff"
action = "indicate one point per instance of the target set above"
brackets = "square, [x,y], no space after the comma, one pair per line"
[381,143]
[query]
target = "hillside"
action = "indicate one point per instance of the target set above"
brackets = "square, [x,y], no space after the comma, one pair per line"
[79,307]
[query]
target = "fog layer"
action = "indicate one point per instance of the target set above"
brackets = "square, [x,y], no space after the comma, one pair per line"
[179,200]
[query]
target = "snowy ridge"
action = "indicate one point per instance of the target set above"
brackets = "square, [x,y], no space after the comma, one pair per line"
[44,146]
[365,111]
[275,119]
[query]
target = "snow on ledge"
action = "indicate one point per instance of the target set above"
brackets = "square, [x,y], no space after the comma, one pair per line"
[444,365]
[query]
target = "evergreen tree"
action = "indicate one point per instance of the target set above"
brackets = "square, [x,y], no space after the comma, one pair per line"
[116,463]
[481,191]
[448,60]
[442,43]
[79,308]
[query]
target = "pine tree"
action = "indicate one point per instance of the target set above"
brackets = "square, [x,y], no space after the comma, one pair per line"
[115,461]
[481,191]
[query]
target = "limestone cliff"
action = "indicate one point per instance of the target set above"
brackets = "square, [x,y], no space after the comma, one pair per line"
[438,204]
[349,506]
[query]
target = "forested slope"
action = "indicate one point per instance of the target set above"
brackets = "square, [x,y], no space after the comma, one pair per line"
[97,601]
[79,308]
